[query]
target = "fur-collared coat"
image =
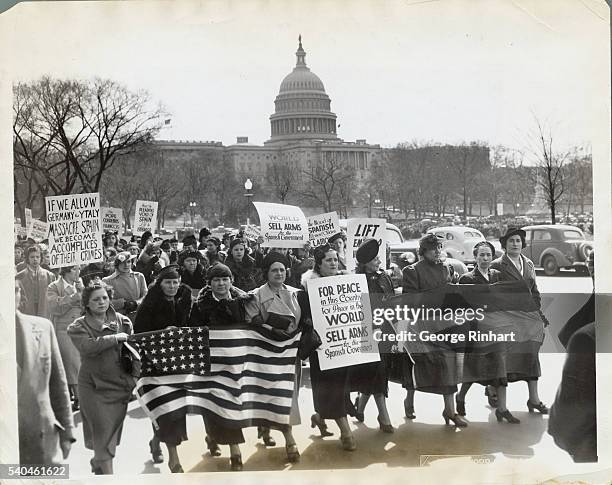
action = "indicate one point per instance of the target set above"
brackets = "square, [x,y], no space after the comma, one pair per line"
[156,312]
[208,310]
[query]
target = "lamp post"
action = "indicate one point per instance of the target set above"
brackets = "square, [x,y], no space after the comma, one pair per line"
[192,208]
[248,186]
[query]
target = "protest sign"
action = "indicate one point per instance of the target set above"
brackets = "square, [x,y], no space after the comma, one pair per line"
[28,218]
[39,230]
[252,232]
[321,227]
[360,229]
[20,231]
[112,220]
[342,316]
[282,226]
[145,217]
[75,231]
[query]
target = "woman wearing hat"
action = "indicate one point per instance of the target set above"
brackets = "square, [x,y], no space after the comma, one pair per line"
[514,266]
[246,274]
[338,242]
[330,388]
[220,305]
[427,274]
[275,306]
[487,368]
[192,271]
[371,379]
[167,304]
[105,387]
[213,251]
[129,287]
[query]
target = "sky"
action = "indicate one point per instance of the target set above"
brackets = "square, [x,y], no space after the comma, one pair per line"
[442,71]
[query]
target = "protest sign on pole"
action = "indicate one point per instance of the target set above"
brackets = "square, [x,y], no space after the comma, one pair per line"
[75,230]
[252,232]
[500,208]
[112,220]
[282,226]
[342,317]
[20,231]
[321,227]
[360,229]
[39,230]
[28,218]
[145,217]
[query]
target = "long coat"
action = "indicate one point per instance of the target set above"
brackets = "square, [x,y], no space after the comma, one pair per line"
[156,312]
[34,294]
[523,362]
[44,413]
[247,276]
[104,387]
[64,309]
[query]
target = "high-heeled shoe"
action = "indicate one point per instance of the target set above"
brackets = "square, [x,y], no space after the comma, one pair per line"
[385,428]
[348,443]
[359,416]
[492,398]
[293,455]
[236,463]
[264,434]
[540,407]
[460,407]
[212,446]
[456,419]
[156,453]
[176,468]
[315,420]
[409,409]
[95,469]
[501,415]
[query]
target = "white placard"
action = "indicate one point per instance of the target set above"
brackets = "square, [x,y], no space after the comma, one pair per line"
[112,220]
[321,227]
[360,229]
[500,208]
[75,230]
[39,230]
[145,217]
[282,226]
[252,232]
[342,316]
[28,218]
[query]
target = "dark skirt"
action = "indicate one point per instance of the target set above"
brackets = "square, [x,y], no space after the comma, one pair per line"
[171,431]
[220,433]
[370,378]
[435,372]
[330,390]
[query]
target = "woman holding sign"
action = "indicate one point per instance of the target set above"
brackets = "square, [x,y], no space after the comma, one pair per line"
[371,379]
[276,308]
[330,388]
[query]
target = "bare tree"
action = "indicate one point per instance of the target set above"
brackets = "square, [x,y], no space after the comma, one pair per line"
[549,166]
[70,132]
[324,182]
[281,178]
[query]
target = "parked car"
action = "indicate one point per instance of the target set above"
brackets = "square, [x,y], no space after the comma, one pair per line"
[553,247]
[459,242]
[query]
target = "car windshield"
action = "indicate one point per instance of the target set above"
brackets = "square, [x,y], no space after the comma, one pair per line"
[572,235]
[393,237]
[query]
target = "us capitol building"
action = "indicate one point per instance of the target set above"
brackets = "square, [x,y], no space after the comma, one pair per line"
[303,131]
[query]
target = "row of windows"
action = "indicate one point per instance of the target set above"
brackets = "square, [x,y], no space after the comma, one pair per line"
[303,125]
[301,105]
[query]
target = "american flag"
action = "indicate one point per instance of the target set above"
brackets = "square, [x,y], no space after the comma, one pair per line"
[239,374]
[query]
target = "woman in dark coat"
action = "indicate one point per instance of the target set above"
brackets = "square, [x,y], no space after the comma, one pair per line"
[167,304]
[330,388]
[514,266]
[192,270]
[247,275]
[220,305]
[485,367]
[371,379]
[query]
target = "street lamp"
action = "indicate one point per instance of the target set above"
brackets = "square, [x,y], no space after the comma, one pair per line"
[248,186]
[192,208]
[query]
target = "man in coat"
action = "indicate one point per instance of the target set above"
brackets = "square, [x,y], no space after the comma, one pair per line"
[34,281]
[44,414]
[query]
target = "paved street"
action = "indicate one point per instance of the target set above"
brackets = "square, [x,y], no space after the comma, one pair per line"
[410,447]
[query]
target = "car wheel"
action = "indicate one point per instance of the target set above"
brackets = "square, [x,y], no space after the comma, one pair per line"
[551,268]
[584,250]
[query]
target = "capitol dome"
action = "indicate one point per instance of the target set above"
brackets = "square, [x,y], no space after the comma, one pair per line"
[302,107]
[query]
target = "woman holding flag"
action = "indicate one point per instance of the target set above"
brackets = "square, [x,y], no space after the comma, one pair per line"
[276,308]
[167,304]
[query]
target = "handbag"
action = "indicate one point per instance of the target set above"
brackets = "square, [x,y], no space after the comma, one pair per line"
[309,342]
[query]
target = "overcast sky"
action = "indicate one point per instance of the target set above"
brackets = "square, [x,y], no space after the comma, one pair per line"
[446,71]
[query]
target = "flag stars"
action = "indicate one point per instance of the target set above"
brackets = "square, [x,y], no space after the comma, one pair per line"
[191,356]
[182,356]
[173,358]
[164,360]
[165,369]
[192,365]
[183,366]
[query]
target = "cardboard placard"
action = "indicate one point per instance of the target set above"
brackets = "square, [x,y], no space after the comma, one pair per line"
[112,220]
[360,229]
[321,227]
[145,217]
[282,226]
